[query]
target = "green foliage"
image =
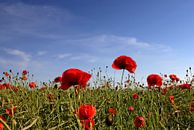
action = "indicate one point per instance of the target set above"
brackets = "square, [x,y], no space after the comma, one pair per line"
[56,109]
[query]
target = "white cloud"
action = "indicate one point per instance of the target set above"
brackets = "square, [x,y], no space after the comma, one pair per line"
[41,53]
[85,57]
[24,56]
[62,56]
[34,20]
[112,42]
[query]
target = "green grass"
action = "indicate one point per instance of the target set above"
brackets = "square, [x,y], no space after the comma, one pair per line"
[38,111]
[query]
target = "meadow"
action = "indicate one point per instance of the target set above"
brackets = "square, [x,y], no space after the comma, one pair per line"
[70,102]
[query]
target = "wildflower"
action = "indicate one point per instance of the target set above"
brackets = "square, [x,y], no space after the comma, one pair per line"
[139,122]
[184,86]
[124,62]
[6,74]
[24,72]
[112,111]
[164,91]
[10,111]
[171,99]
[131,108]
[173,77]
[1,126]
[1,117]
[58,79]
[109,120]
[154,79]
[192,107]
[32,85]
[86,112]
[74,77]
[135,96]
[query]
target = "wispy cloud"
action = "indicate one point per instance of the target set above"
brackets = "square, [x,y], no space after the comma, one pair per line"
[33,20]
[24,56]
[62,56]
[85,57]
[112,42]
[18,58]
[41,53]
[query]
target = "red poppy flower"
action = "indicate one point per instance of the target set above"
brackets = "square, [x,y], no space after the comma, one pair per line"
[173,77]
[1,126]
[171,99]
[112,111]
[1,117]
[139,122]
[6,74]
[87,124]
[86,112]
[135,96]
[58,79]
[32,85]
[131,108]
[192,107]
[24,72]
[74,77]
[7,86]
[11,111]
[184,86]
[164,90]
[154,79]
[124,62]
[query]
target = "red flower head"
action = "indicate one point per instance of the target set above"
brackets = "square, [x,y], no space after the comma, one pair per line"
[171,99]
[86,112]
[11,111]
[1,126]
[2,87]
[124,62]
[24,72]
[154,79]
[58,79]
[6,74]
[87,124]
[164,91]
[131,108]
[192,107]
[74,77]
[184,86]
[1,117]
[173,77]
[139,122]
[32,85]
[112,111]
[135,96]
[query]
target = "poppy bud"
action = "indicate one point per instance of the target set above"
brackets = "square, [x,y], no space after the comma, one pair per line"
[109,120]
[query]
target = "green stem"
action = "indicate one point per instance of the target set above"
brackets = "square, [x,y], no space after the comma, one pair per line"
[122,76]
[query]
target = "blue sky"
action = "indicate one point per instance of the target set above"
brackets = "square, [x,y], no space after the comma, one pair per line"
[47,37]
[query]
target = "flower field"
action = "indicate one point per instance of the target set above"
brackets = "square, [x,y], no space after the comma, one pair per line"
[74,101]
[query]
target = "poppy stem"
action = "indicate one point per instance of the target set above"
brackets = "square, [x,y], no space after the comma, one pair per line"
[122,76]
